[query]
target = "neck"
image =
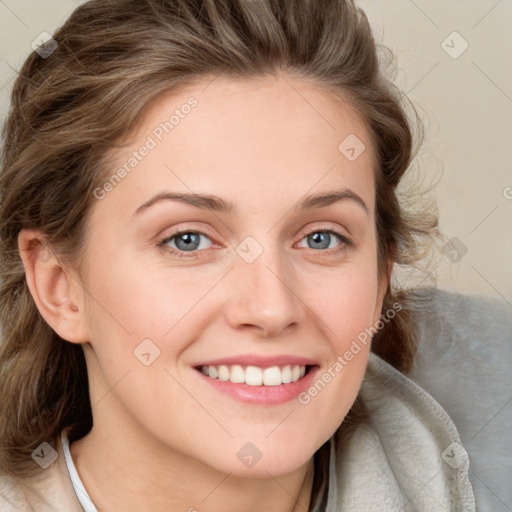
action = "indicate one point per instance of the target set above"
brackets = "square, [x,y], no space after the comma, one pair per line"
[117,478]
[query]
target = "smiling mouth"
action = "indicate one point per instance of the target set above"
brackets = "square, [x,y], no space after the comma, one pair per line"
[254,375]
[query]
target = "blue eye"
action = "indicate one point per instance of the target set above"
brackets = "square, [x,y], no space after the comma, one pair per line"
[187,241]
[323,240]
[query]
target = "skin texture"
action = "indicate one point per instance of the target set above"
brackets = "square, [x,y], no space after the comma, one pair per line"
[163,439]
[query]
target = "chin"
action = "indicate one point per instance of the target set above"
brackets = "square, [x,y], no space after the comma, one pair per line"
[258,459]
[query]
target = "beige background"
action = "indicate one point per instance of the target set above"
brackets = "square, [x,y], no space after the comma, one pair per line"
[465,100]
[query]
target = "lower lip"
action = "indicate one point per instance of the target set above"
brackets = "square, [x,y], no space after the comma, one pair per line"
[265,395]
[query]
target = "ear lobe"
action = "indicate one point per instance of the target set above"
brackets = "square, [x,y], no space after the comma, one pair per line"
[57,294]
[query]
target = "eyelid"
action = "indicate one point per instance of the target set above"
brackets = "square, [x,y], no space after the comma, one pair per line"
[184,227]
[332,228]
[180,232]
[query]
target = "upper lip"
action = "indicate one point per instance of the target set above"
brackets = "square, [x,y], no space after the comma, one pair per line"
[259,361]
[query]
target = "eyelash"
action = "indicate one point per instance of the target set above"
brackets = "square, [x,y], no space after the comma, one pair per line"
[162,245]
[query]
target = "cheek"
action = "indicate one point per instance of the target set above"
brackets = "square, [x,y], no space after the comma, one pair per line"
[346,303]
[346,311]
[346,300]
[144,300]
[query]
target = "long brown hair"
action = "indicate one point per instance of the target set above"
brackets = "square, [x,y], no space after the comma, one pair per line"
[70,109]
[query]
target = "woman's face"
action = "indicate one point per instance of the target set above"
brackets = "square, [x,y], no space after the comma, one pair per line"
[275,268]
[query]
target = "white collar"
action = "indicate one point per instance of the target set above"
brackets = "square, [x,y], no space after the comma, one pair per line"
[81,493]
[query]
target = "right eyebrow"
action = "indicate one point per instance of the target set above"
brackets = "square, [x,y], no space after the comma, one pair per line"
[203,201]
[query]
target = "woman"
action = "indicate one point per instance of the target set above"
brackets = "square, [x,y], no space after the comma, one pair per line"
[199,220]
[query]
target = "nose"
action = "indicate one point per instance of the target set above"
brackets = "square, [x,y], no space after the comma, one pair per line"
[262,297]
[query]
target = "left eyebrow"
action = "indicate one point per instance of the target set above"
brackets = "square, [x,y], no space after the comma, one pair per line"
[328,198]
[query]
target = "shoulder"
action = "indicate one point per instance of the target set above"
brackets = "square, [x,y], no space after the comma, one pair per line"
[395,460]
[464,361]
[451,322]
[49,490]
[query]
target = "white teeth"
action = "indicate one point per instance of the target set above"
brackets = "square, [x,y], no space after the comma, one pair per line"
[254,376]
[286,375]
[237,374]
[223,372]
[272,376]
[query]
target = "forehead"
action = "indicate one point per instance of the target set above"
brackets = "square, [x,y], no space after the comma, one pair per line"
[226,136]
